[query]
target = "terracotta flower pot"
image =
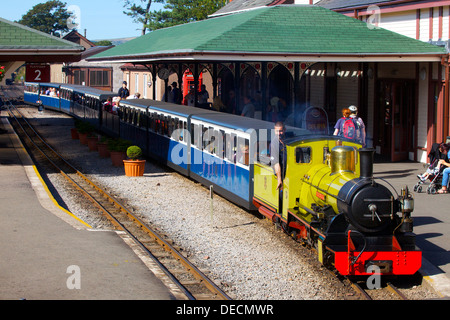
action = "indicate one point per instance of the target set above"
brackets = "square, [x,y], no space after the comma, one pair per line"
[83,138]
[103,151]
[117,158]
[92,143]
[134,168]
[74,134]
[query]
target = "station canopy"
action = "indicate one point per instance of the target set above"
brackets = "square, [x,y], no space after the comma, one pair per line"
[276,33]
[18,42]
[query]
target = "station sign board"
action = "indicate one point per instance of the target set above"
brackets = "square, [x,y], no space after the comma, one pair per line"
[37,73]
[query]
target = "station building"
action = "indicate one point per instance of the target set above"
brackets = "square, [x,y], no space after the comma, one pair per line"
[305,56]
[427,21]
[20,45]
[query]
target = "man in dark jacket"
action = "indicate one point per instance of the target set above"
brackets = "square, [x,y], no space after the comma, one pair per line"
[124,92]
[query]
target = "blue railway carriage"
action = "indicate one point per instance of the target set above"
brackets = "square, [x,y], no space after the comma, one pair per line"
[31,92]
[132,120]
[66,97]
[223,151]
[212,148]
[47,93]
[84,102]
[161,129]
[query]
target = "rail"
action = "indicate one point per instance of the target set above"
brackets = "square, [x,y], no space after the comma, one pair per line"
[121,217]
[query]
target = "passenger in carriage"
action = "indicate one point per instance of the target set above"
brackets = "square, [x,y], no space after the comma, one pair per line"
[107,106]
[115,105]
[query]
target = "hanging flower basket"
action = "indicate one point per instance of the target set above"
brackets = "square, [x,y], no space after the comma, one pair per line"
[2,73]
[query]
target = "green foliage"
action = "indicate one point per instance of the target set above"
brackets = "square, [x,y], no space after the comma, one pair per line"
[84,127]
[120,145]
[49,17]
[175,12]
[183,11]
[103,139]
[104,43]
[139,13]
[134,152]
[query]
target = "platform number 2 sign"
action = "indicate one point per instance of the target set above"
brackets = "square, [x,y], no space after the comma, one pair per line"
[37,73]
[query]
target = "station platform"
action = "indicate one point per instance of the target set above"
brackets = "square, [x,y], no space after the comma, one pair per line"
[47,254]
[431,221]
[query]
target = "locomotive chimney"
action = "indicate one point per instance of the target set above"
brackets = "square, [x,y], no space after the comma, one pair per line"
[366,162]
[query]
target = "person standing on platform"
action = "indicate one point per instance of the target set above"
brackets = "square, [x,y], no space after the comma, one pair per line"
[175,94]
[361,132]
[249,108]
[124,93]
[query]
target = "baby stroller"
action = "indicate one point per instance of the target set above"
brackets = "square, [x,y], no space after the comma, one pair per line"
[434,175]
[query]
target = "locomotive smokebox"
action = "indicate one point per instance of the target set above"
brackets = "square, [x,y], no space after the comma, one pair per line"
[366,162]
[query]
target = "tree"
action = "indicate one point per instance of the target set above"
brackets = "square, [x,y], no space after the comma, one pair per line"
[175,12]
[49,17]
[183,11]
[103,43]
[140,14]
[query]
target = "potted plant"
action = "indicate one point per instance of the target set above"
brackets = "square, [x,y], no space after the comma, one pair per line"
[92,140]
[74,131]
[118,150]
[102,147]
[134,167]
[84,128]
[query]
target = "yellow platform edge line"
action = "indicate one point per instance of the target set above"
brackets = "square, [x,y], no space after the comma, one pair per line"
[55,202]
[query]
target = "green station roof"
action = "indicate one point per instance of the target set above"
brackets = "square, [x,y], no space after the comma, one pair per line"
[284,32]
[18,42]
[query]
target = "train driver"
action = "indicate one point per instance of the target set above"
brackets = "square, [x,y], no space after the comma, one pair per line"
[278,153]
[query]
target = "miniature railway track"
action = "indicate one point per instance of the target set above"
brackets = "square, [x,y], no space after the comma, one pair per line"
[386,291]
[375,294]
[190,280]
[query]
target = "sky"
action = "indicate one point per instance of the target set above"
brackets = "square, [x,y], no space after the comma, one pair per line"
[102,19]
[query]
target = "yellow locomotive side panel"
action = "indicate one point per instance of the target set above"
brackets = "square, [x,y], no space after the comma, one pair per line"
[265,185]
[302,157]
